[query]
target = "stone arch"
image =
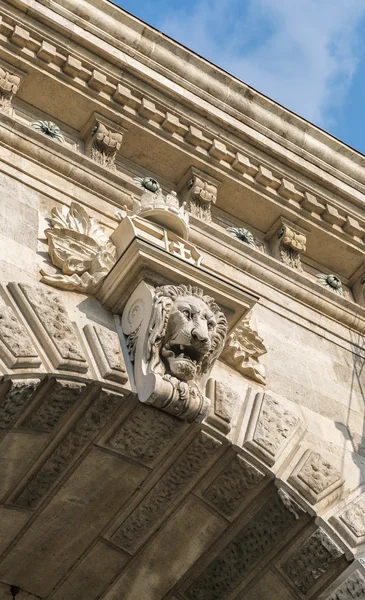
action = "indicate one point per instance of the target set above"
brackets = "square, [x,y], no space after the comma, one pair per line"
[80,452]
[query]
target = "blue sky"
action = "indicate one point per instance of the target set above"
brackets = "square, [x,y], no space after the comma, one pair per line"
[309,55]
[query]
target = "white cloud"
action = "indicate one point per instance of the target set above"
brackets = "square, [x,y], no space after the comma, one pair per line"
[301,53]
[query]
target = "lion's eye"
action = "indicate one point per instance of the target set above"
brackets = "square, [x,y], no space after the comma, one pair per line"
[210,325]
[186,313]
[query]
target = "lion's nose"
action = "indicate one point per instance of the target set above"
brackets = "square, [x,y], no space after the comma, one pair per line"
[201,333]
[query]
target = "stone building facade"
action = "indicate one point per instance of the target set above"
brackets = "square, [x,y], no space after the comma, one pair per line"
[182,314]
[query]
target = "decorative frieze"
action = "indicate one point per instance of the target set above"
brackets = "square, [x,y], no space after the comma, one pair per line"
[233,486]
[47,316]
[79,246]
[9,85]
[176,482]
[243,350]
[311,561]
[234,157]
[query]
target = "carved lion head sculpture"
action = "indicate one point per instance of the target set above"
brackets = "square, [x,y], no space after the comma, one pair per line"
[186,334]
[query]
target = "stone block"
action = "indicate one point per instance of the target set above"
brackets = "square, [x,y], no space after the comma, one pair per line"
[97,81]
[89,499]
[72,66]
[20,36]
[92,575]
[161,563]
[47,52]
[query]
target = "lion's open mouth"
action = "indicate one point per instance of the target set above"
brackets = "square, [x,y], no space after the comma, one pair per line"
[178,351]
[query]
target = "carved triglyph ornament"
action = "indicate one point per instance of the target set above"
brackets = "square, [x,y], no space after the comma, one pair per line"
[243,349]
[174,335]
[79,246]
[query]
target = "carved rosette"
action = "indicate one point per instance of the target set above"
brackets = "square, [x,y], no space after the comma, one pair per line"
[9,85]
[79,246]
[174,335]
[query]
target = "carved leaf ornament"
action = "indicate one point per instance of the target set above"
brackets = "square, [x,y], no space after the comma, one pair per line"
[78,246]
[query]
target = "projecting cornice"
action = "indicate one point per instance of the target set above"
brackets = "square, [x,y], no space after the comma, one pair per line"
[144,51]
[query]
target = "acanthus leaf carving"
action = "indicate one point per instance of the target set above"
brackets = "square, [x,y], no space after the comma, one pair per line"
[199,191]
[78,245]
[104,145]
[9,85]
[181,333]
[243,349]
[287,243]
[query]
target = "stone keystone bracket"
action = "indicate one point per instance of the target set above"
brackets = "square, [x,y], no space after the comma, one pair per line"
[199,191]
[174,334]
[287,242]
[103,140]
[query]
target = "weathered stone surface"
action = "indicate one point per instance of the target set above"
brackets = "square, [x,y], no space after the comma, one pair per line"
[145,434]
[233,485]
[12,521]
[58,397]
[267,528]
[225,401]
[315,476]
[13,398]
[353,588]
[311,560]
[17,451]
[273,429]
[354,517]
[47,315]
[107,351]
[16,347]
[92,574]
[89,499]
[318,473]
[193,527]
[176,482]
[85,429]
